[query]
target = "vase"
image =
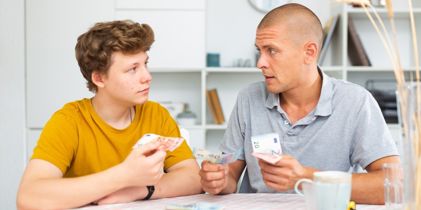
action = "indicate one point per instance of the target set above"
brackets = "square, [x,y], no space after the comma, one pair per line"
[410,157]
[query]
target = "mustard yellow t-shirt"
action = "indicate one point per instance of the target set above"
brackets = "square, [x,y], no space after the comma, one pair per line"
[79,142]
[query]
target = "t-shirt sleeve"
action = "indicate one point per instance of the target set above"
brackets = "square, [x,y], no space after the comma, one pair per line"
[372,138]
[170,129]
[57,142]
[233,142]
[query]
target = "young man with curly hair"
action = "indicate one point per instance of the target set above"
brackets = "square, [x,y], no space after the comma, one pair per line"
[84,154]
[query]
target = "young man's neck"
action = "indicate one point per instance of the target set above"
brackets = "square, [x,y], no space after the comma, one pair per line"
[115,114]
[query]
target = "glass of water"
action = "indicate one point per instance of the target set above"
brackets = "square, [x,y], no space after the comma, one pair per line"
[393,186]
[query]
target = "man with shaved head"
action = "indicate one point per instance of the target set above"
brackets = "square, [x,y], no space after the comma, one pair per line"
[323,123]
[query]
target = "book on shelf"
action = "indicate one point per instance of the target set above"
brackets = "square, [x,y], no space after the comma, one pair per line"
[356,52]
[215,106]
[328,31]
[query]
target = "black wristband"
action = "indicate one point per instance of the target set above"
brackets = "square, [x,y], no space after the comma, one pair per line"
[151,189]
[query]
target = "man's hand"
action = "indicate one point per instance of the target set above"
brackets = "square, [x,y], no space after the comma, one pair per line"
[144,165]
[283,175]
[213,177]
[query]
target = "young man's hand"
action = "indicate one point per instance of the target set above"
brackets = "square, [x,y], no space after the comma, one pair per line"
[213,177]
[283,175]
[144,165]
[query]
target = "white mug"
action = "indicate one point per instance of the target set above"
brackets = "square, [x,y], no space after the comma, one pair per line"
[329,190]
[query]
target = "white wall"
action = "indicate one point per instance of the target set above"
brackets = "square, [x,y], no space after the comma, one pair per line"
[12,99]
[231,27]
[230,30]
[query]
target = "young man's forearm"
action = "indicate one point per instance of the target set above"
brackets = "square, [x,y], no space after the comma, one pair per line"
[64,193]
[180,182]
[368,188]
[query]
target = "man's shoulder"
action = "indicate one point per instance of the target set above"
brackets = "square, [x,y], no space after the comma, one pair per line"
[348,89]
[254,90]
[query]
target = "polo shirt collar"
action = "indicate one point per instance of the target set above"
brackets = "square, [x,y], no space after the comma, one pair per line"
[324,106]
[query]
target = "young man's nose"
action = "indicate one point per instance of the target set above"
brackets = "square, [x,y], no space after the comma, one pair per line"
[145,76]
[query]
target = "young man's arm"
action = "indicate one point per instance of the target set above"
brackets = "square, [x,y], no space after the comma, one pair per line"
[43,186]
[181,179]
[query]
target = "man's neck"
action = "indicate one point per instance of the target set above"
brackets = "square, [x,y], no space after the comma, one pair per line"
[300,101]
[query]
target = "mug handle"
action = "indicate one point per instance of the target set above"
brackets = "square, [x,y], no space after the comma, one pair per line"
[297,184]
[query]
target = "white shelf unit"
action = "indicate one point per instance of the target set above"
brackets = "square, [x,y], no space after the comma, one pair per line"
[229,80]
[178,55]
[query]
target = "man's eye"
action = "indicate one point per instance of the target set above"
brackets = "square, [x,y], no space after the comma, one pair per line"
[271,51]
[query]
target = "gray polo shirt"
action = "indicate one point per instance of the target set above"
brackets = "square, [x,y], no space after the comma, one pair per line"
[346,129]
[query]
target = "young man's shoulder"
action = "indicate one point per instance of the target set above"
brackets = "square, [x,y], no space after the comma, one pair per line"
[75,107]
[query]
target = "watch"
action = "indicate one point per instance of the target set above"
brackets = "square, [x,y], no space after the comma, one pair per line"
[151,189]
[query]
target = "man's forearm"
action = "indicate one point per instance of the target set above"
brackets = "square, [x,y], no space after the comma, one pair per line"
[231,186]
[368,188]
[69,192]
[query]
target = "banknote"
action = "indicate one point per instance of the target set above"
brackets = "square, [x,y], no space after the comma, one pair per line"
[273,159]
[267,143]
[267,147]
[217,158]
[168,143]
[195,206]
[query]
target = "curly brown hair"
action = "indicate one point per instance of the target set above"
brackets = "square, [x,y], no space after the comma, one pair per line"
[95,47]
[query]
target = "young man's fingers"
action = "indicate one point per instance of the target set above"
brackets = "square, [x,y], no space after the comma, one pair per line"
[157,157]
[149,149]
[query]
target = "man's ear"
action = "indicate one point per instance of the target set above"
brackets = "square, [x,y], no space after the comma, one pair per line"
[97,79]
[311,50]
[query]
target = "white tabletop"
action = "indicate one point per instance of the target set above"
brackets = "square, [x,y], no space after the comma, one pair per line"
[232,201]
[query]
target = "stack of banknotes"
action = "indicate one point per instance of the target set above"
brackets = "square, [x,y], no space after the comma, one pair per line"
[168,143]
[217,158]
[267,147]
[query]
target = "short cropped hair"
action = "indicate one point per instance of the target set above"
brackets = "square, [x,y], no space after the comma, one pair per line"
[95,47]
[297,16]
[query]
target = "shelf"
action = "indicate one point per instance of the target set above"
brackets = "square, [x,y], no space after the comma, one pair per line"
[371,69]
[174,70]
[191,127]
[400,13]
[331,68]
[232,69]
[216,127]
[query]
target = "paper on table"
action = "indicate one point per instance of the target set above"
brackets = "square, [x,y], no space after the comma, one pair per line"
[236,201]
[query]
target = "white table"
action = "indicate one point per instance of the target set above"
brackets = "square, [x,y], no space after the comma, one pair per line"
[232,201]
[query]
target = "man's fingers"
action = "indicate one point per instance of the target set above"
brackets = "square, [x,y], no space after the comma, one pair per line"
[216,184]
[209,167]
[211,176]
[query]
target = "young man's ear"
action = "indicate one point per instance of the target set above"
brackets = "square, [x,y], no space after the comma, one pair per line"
[97,79]
[311,50]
